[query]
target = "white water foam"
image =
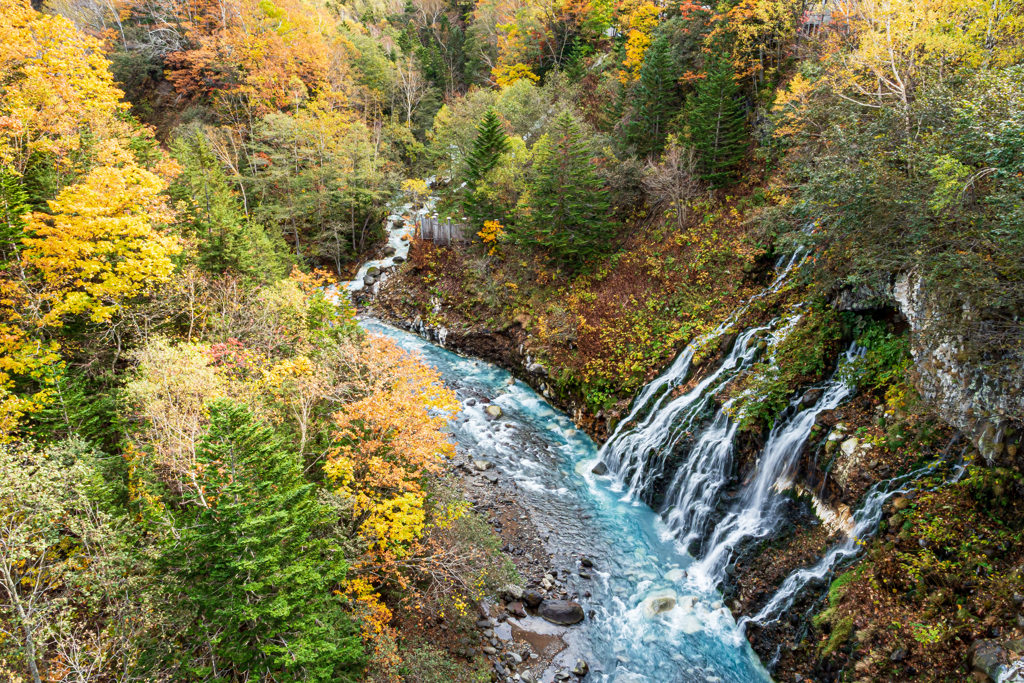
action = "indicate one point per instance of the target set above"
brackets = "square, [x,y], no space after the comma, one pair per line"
[757,511]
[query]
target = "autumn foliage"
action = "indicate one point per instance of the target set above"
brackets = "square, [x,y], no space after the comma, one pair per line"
[97,245]
[390,434]
[271,54]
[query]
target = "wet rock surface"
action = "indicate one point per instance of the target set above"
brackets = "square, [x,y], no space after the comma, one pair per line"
[562,612]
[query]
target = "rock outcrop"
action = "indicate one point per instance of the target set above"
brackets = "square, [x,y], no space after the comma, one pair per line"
[986,403]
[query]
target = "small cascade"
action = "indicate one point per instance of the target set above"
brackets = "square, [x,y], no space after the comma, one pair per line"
[865,525]
[679,370]
[866,522]
[400,228]
[694,491]
[637,452]
[757,511]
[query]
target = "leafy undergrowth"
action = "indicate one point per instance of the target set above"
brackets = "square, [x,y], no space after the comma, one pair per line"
[424,662]
[945,574]
[606,332]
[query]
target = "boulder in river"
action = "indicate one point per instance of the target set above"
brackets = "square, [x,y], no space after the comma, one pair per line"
[533,598]
[675,575]
[516,608]
[512,592]
[600,468]
[389,251]
[659,601]
[483,465]
[494,411]
[368,280]
[561,612]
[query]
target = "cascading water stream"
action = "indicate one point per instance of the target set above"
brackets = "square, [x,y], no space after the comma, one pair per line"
[757,511]
[694,490]
[638,456]
[865,523]
[637,451]
[866,520]
[679,370]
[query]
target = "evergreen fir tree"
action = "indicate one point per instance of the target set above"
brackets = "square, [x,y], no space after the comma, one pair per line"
[568,202]
[255,561]
[490,143]
[655,99]
[13,207]
[717,125]
[228,242]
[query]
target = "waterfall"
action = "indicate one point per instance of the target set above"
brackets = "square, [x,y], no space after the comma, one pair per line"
[636,453]
[756,512]
[693,493]
[866,521]
[637,456]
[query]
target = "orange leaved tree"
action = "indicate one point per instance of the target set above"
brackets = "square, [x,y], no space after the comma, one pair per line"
[390,434]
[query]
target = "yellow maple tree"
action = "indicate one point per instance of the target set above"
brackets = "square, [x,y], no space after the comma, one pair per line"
[56,87]
[390,436]
[792,106]
[506,75]
[98,245]
[638,21]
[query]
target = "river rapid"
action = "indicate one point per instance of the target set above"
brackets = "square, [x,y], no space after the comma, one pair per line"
[637,560]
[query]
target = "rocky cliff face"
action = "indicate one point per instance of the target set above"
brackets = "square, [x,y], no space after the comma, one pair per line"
[986,403]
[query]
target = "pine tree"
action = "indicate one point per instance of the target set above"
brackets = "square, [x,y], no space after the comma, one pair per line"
[227,241]
[568,201]
[13,207]
[655,99]
[490,143]
[717,125]
[255,561]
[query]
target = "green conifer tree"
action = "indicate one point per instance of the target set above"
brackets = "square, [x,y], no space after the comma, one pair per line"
[13,207]
[655,100]
[568,202]
[255,564]
[227,241]
[717,125]
[490,143]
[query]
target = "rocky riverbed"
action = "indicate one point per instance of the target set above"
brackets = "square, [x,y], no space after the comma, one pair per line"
[585,554]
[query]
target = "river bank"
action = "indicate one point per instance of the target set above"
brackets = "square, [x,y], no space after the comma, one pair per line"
[845,452]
